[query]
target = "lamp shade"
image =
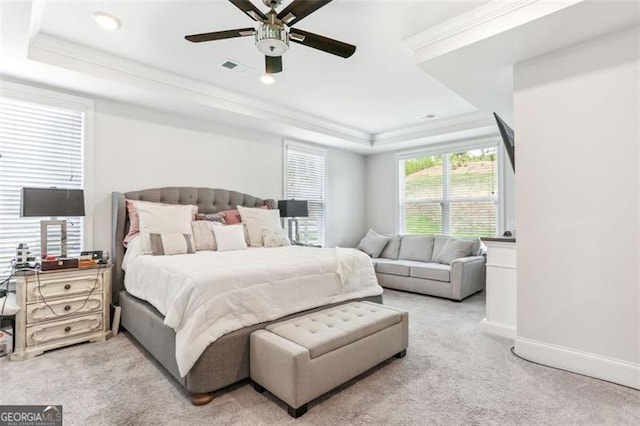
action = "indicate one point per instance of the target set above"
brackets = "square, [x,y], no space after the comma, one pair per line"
[293,208]
[39,202]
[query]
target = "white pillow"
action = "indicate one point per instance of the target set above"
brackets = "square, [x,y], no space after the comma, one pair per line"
[230,237]
[163,219]
[257,220]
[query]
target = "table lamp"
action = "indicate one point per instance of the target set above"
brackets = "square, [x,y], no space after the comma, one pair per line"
[52,202]
[293,209]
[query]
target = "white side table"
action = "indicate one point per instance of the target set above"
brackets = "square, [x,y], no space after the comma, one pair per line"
[501,287]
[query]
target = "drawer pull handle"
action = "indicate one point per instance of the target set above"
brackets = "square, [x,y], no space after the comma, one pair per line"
[67,286]
[66,308]
[67,329]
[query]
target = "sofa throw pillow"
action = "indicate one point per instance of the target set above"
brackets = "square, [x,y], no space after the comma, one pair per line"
[416,247]
[171,243]
[454,249]
[203,236]
[373,243]
[440,241]
[258,220]
[230,237]
[392,249]
[275,238]
[163,219]
[212,217]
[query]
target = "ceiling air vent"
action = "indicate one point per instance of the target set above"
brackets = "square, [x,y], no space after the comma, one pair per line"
[236,66]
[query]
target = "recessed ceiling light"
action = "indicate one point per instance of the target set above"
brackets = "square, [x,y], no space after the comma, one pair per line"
[106,21]
[267,79]
[427,117]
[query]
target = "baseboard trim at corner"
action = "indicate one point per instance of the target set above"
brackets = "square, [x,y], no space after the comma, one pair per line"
[588,364]
[498,329]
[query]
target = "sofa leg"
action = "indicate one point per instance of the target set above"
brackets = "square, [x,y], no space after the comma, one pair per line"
[296,412]
[258,388]
[401,354]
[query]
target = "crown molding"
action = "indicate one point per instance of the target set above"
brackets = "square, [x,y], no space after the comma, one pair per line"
[491,18]
[55,51]
[477,123]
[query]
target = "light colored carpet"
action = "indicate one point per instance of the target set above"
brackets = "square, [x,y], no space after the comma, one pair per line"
[452,374]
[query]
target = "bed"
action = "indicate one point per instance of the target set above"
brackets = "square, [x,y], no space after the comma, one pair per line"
[224,361]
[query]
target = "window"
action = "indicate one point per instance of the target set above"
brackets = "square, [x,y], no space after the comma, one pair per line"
[450,193]
[41,145]
[304,180]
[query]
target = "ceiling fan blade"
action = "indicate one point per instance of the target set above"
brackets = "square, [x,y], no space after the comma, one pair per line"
[273,64]
[300,9]
[247,7]
[319,42]
[219,35]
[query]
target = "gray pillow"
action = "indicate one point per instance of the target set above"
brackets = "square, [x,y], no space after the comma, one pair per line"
[373,243]
[417,247]
[454,249]
[392,249]
[440,241]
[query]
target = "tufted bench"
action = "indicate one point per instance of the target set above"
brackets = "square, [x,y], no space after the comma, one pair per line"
[300,359]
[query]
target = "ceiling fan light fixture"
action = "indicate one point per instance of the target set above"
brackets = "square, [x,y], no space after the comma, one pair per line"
[272,40]
[106,20]
[267,79]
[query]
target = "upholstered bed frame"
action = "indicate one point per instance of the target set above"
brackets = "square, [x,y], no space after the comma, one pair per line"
[224,362]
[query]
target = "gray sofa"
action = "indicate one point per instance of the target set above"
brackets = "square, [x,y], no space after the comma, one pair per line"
[436,265]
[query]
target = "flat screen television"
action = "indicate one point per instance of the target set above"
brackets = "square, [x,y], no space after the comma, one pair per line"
[508,138]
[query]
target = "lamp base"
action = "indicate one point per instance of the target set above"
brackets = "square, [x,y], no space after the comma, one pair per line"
[44,246]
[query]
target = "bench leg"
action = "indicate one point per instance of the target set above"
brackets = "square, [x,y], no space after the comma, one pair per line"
[258,388]
[401,354]
[296,412]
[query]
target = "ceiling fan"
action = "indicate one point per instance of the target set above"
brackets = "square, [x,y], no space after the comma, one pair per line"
[274,31]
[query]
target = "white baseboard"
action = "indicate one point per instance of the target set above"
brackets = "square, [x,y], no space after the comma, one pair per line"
[498,329]
[598,366]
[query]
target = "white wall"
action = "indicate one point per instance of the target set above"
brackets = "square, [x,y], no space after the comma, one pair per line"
[136,148]
[345,198]
[577,120]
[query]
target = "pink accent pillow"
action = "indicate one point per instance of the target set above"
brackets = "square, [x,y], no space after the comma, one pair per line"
[134,219]
[233,216]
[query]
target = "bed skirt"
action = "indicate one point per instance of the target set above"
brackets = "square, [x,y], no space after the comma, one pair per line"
[224,362]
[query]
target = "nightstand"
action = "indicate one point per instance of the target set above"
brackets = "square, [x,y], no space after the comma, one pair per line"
[61,308]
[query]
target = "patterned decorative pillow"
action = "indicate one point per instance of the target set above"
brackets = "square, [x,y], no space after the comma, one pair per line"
[275,238]
[212,217]
[171,243]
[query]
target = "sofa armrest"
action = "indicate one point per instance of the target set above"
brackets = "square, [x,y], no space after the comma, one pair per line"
[468,276]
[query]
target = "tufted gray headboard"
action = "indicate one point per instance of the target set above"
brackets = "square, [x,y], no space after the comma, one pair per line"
[208,200]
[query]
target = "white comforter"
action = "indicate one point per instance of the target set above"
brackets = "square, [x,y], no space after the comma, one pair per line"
[208,294]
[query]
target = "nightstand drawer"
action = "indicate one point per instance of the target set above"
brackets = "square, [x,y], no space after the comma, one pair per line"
[62,286]
[50,332]
[38,312]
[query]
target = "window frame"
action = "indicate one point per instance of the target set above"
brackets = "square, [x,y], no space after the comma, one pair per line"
[445,201]
[313,150]
[56,99]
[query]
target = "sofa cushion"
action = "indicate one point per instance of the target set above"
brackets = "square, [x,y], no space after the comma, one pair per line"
[393,267]
[416,247]
[392,249]
[454,249]
[373,243]
[431,271]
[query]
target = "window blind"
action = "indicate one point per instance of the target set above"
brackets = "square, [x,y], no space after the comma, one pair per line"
[453,194]
[305,180]
[40,146]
